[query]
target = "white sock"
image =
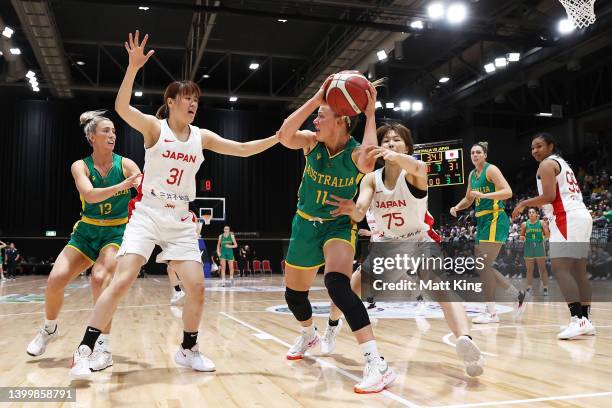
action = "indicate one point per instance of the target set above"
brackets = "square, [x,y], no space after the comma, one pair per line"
[490,307]
[50,325]
[512,290]
[369,349]
[309,330]
[105,339]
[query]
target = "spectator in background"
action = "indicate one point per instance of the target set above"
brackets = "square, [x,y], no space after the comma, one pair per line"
[12,257]
[2,246]
[244,257]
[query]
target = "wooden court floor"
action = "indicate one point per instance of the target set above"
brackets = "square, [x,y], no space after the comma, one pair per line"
[525,366]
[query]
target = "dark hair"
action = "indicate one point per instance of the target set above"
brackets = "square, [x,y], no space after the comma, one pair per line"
[398,128]
[483,145]
[548,139]
[177,88]
[536,209]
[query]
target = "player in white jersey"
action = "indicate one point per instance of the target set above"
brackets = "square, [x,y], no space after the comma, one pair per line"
[397,197]
[160,214]
[570,231]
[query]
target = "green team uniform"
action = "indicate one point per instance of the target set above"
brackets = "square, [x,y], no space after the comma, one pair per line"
[492,222]
[313,226]
[102,223]
[534,240]
[227,253]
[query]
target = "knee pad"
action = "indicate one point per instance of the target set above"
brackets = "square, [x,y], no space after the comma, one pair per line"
[298,304]
[339,288]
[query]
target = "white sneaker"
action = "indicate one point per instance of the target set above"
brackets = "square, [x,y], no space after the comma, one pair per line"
[80,369]
[301,345]
[577,327]
[377,375]
[486,318]
[521,304]
[177,297]
[193,359]
[471,356]
[328,341]
[38,346]
[232,282]
[591,331]
[101,358]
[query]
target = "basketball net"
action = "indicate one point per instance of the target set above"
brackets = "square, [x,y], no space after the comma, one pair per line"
[580,12]
[207,218]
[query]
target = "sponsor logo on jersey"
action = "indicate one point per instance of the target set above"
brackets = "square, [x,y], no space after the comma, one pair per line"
[188,158]
[390,203]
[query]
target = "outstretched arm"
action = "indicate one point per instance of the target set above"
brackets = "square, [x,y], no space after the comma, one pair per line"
[348,207]
[218,144]
[95,195]
[364,161]
[148,125]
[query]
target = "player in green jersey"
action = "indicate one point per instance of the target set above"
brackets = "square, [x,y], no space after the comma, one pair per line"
[487,188]
[225,246]
[533,233]
[335,163]
[104,180]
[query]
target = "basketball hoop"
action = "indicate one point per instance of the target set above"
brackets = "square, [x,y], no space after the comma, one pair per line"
[580,12]
[207,217]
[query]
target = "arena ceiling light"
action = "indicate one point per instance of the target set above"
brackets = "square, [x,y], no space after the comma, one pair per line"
[205,76]
[513,56]
[33,81]
[501,62]
[565,26]
[378,104]
[417,24]
[490,67]
[544,114]
[143,8]
[396,108]
[435,11]
[405,106]
[138,94]
[7,32]
[254,66]
[36,89]
[389,105]
[80,63]
[417,106]
[382,55]
[15,51]
[30,74]
[281,20]
[456,13]
[444,80]
[233,99]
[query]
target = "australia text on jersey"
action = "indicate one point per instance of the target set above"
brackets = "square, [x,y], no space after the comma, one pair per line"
[328,180]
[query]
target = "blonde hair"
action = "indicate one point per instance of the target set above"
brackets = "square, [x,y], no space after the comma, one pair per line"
[90,120]
[483,145]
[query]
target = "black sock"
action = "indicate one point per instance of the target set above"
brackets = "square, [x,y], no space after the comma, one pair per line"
[370,300]
[585,310]
[177,288]
[333,322]
[90,337]
[189,340]
[575,309]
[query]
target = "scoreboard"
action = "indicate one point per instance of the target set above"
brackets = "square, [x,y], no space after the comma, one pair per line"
[444,162]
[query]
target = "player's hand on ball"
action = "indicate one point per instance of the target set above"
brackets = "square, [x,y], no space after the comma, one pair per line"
[135,50]
[453,211]
[343,206]
[371,107]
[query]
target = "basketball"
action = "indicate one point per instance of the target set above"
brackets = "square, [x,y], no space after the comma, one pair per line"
[346,93]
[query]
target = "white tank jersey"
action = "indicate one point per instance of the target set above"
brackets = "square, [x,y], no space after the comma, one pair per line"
[375,237]
[567,196]
[398,214]
[171,166]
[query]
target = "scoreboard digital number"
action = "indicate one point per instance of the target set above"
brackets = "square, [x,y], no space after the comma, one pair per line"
[444,162]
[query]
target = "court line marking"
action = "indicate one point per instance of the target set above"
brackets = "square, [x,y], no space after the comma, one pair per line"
[527,401]
[323,363]
[81,310]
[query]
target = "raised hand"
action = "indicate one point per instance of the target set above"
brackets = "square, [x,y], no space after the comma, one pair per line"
[371,107]
[135,50]
[343,206]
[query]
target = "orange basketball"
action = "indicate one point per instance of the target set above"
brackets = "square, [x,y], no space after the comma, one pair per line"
[346,93]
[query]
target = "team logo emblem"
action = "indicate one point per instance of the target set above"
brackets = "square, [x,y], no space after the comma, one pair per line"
[319,156]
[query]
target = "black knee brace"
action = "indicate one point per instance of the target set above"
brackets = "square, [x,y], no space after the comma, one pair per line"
[339,288]
[298,304]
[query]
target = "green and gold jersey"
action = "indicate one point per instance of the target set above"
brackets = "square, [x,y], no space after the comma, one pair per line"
[534,232]
[113,208]
[326,175]
[484,205]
